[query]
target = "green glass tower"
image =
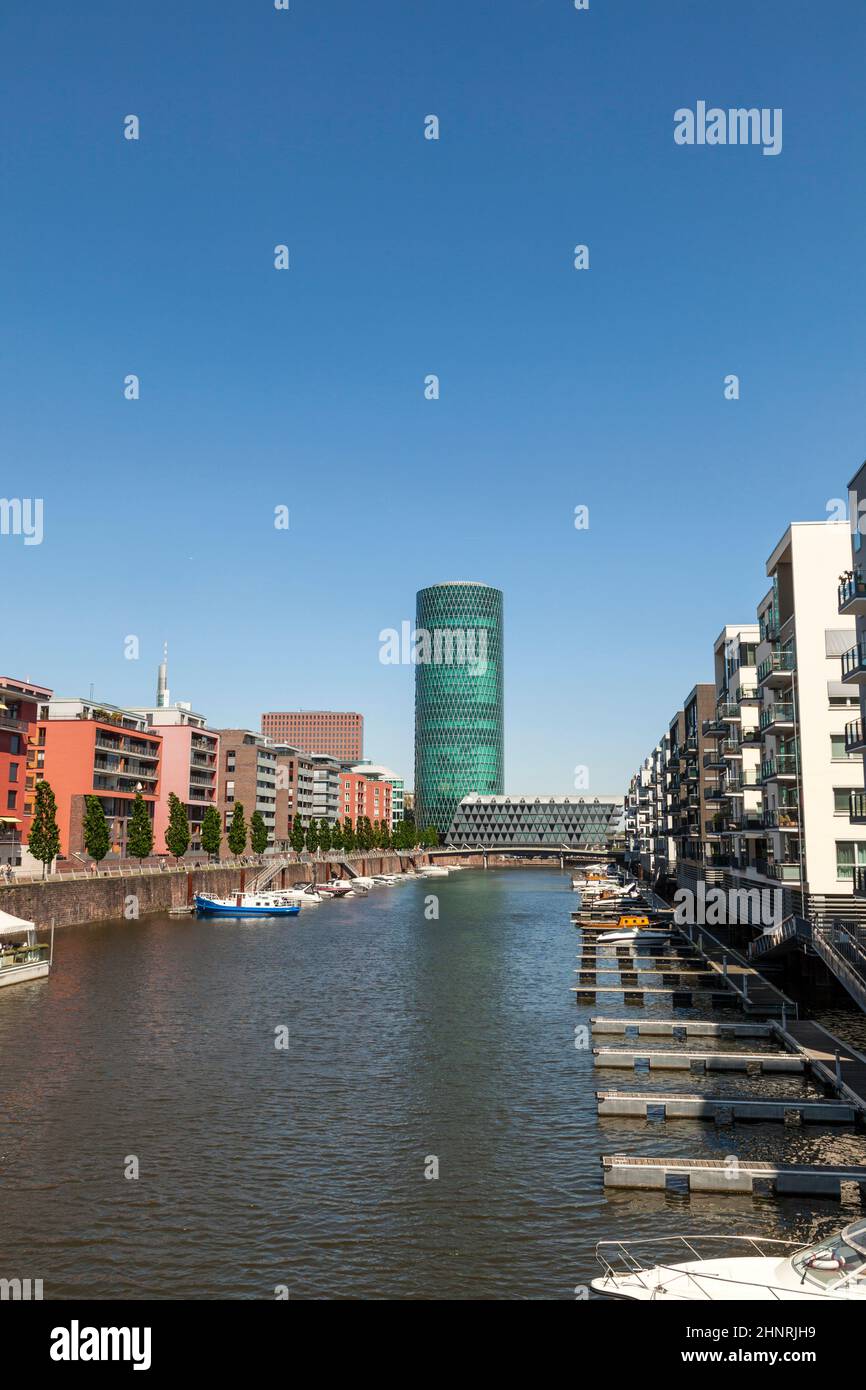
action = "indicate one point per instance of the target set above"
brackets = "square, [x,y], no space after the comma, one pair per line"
[459,744]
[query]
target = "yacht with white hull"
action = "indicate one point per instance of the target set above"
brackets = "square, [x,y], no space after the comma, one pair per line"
[754,1269]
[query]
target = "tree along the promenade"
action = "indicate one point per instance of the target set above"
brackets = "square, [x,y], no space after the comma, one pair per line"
[97,837]
[177,831]
[311,836]
[211,832]
[139,835]
[350,841]
[297,836]
[237,836]
[44,839]
[337,841]
[385,831]
[258,833]
[324,836]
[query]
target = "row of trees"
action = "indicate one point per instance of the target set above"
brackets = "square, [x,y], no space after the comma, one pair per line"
[44,838]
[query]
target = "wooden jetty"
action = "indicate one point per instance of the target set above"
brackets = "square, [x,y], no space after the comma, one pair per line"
[731,1176]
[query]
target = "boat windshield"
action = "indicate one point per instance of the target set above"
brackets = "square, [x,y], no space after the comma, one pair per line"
[831,1259]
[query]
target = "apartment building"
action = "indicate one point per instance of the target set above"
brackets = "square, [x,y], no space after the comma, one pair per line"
[326,787]
[295,774]
[248,773]
[190,768]
[699,784]
[84,748]
[734,734]
[766,782]
[377,773]
[361,795]
[19,712]
[337,733]
[851,603]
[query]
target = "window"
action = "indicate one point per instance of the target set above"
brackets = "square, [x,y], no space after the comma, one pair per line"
[848,854]
[837,749]
[14,743]
[841,801]
[11,798]
[13,771]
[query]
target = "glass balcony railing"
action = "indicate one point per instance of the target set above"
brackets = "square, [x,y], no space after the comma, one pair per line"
[854,660]
[780,713]
[778,663]
[855,738]
[782,765]
[852,592]
[857,807]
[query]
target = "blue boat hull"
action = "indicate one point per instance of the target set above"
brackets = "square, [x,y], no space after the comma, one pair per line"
[219,910]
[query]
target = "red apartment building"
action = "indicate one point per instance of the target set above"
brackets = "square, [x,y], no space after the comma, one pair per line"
[337,733]
[84,749]
[19,712]
[361,796]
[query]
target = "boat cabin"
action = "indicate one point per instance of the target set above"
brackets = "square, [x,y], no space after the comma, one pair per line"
[21,956]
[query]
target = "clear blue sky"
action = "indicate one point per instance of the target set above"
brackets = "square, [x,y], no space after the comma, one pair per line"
[411,257]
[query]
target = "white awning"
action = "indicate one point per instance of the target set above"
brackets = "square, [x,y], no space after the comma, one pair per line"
[14,926]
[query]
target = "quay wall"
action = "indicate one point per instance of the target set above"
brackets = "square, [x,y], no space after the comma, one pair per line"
[68,902]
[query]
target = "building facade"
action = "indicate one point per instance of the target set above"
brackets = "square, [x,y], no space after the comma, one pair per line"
[326,787]
[19,711]
[190,768]
[377,773]
[361,795]
[295,775]
[248,774]
[510,822]
[459,739]
[84,748]
[337,733]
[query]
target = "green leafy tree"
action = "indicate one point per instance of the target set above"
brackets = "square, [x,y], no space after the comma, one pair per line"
[97,837]
[349,839]
[44,839]
[139,835]
[385,832]
[311,837]
[211,831]
[297,836]
[430,836]
[324,835]
[337,841]
[258,833]
[177,832]
[237,836]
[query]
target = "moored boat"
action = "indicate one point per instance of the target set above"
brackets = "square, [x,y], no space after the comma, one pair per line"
[755,1269]
[22,958]
[247,905]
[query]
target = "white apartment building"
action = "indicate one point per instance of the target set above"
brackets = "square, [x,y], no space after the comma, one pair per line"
[326,787]
[808,845]
[734,753]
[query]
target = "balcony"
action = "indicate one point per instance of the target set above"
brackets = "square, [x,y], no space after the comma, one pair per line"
[855,737]
[854,664]
[860,883]
[748,694]
[714,728]
[15,726]
[788,871]
[777,669]
[852,594]
[714,794]
[857,807]
[714,759]
[777,716]
[785,818]
[781,768]
[728,713]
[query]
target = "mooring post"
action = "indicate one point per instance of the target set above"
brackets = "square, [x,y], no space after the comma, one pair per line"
[838,1068]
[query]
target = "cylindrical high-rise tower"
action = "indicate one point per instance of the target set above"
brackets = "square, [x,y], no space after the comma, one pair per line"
[459,745]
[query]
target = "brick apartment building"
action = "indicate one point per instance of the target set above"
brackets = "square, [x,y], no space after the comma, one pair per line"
[19,712]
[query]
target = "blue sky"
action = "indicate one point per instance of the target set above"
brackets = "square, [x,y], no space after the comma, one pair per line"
[305,388]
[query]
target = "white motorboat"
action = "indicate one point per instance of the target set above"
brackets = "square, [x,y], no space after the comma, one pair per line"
[754,1269]
[645,936]
[433,871]
[303,893]
[360,881]
[385,880]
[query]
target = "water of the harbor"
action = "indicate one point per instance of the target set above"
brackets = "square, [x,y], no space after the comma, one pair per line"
[414,1043]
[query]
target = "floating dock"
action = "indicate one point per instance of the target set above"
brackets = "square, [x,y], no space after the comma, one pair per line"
[682,1028]
[753,1063]
[724,1109]
[694,1175]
